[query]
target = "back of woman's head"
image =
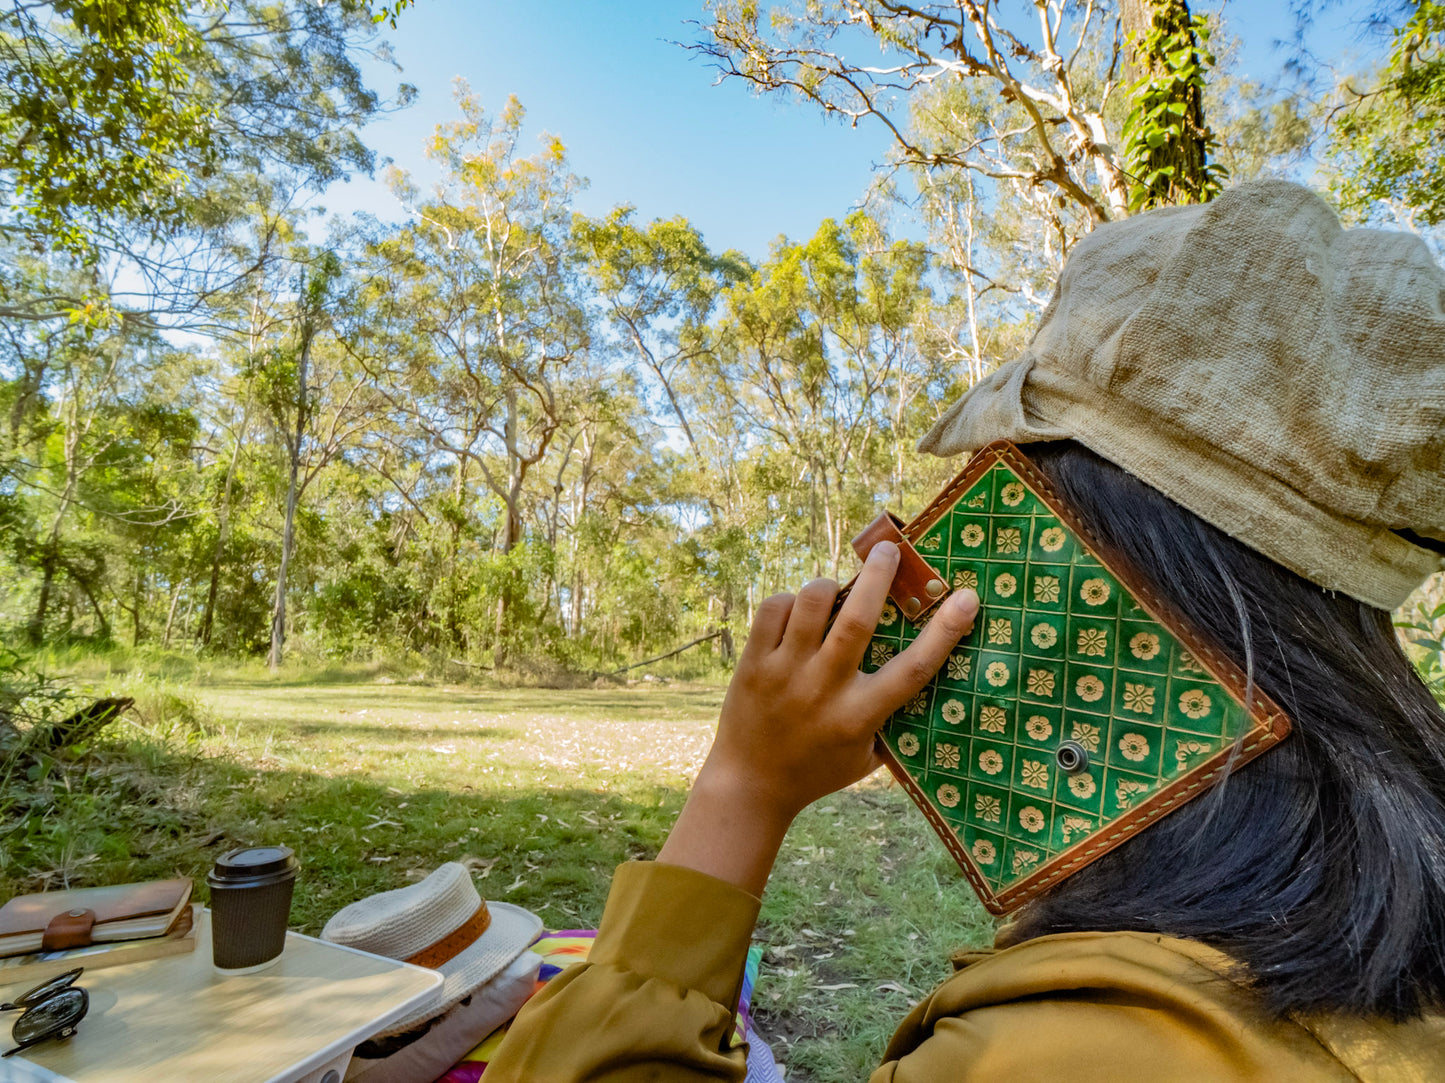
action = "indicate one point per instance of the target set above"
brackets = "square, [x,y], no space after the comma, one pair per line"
[1320,866]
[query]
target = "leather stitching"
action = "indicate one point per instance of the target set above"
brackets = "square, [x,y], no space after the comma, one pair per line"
[1270,723]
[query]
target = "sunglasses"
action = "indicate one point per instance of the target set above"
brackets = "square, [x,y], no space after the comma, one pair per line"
[51,1010]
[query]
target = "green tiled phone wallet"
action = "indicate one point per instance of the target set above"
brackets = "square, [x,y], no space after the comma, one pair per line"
[1078,711]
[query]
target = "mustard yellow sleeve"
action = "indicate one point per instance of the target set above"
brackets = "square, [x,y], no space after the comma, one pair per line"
[655,999]
[1103,1008]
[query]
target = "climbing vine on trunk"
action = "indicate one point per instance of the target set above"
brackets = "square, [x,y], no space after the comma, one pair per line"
[1166,141]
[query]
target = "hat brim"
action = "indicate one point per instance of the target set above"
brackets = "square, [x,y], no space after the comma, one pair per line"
[508,935]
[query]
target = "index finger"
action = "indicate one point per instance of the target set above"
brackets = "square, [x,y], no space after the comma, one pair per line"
[858,618]
[894,684]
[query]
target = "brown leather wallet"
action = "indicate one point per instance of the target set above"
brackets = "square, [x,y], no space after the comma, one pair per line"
[1080,709]
[57,920]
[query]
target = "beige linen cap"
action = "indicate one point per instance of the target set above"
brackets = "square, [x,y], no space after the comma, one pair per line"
[1281,377]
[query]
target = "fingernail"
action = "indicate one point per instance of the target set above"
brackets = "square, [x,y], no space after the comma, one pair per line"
[884,550]
[963,602]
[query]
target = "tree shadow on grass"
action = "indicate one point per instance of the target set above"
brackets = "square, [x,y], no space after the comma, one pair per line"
[400,731]
[610,705]
[860,914]
[122,820]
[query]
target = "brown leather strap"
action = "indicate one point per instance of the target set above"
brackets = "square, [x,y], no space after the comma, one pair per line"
[68,929]
[455,942]
[917,588]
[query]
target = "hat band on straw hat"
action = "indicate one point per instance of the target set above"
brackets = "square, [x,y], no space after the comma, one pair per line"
[455,942]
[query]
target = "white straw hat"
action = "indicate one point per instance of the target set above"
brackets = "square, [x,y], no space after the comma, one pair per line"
[440,923]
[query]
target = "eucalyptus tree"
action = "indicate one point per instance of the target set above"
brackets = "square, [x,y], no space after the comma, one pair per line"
[317,399]
[483,297]
[149,153]
[231,423]
[818,355]
[135,136]
[658,285]
[1058,78]
[86,412]
[1013,110]
[601,507]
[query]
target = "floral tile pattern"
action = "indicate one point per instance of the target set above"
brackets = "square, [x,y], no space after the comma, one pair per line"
[1061,652]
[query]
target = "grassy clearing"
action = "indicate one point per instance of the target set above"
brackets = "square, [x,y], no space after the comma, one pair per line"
[303,669]
[540,792]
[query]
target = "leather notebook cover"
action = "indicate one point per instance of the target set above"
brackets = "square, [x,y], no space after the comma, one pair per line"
[34,967]
[1069,648]
[57,920]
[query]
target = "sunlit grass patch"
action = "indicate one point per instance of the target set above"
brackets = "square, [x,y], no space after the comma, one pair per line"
[540,792]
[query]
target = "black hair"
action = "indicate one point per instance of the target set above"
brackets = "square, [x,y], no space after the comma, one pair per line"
[1320,865]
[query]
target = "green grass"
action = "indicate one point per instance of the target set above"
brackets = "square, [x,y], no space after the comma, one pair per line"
[376,781]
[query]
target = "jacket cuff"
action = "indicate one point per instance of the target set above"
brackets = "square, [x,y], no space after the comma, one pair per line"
[677,925]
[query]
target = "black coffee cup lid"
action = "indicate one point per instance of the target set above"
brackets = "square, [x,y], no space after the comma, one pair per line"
[252,863]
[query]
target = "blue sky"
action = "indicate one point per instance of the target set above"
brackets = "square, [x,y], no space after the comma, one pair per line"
[644,123]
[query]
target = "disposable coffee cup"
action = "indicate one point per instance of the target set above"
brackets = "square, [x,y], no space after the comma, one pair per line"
[250,907]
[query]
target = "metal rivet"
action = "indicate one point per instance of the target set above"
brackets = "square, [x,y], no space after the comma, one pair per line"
[77,914]
[934,587]
[912,605]
[1072,757]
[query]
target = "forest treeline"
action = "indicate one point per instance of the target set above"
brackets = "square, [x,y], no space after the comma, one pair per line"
[498,429]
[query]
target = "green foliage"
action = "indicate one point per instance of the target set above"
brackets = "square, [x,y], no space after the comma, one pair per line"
[528,446]
[30,703]
[388,12]
[527,439]
[1389,143]
[95,118]
[1424,630]
[142,111]
[1261,132]
[1167,145]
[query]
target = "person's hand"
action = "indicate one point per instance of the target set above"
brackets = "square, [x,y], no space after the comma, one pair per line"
[799,718]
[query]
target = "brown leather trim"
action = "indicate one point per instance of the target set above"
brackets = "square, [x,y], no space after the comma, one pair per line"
[68,929]
[917,586]
[1264,710]
[939,825]
[1271,724]
[1161,803]
[455,942]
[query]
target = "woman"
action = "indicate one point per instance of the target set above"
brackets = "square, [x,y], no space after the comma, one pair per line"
[1248,404]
